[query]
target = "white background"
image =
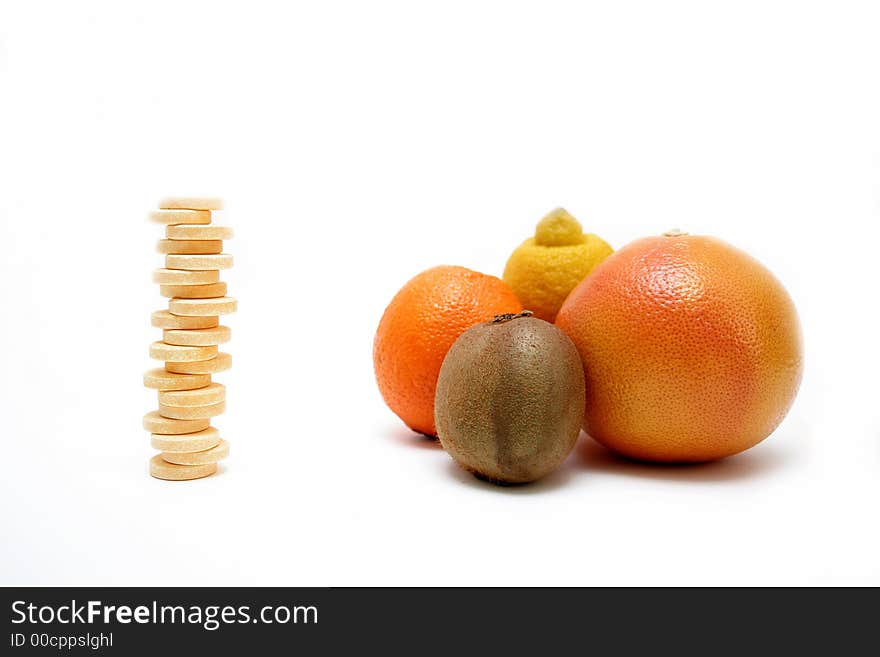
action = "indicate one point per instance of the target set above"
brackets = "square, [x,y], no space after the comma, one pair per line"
[357,144]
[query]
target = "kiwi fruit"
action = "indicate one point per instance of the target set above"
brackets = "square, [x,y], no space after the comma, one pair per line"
[510,399]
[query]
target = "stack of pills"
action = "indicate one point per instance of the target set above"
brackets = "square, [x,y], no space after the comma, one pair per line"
[191,334]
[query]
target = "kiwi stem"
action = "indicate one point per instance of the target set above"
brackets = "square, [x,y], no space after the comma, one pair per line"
[506,317]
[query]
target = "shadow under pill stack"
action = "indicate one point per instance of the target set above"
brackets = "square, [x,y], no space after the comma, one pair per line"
[189,447]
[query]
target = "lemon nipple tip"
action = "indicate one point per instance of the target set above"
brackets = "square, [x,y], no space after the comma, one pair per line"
[558,228]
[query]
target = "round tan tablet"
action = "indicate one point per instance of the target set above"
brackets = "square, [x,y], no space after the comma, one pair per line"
[172,217]
[162,379]
[189,247]
[198,337]
[190,262]
[165,320]
[217,453]
[155,423]
[212,394]
[220,363]
[192,412]
[211,291]
[162,469]
[187,442]
[191,203]
[174,353]
[184,277]
[193,232]
[202,307]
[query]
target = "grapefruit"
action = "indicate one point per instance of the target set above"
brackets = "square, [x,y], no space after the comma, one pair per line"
[691,349]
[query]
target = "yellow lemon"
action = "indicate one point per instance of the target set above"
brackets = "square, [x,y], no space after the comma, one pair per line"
[545,268]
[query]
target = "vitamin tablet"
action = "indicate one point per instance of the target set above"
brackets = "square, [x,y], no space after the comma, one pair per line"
[191,203]
[172,217]
[192,232]
[184,277]
[220,363]
[212,394]
[207,261]
[162,469]
[187,442]
[155,423]
[162,379]
[211,291]
[165,320]
[217,453]
[190,247]
[202,307]
[180,354]
[198,337]
[192,412]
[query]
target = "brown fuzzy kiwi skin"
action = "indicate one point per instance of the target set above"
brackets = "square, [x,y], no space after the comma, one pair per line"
[510,399]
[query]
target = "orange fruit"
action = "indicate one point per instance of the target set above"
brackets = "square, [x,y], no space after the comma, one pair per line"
[691,349]
[419,326]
